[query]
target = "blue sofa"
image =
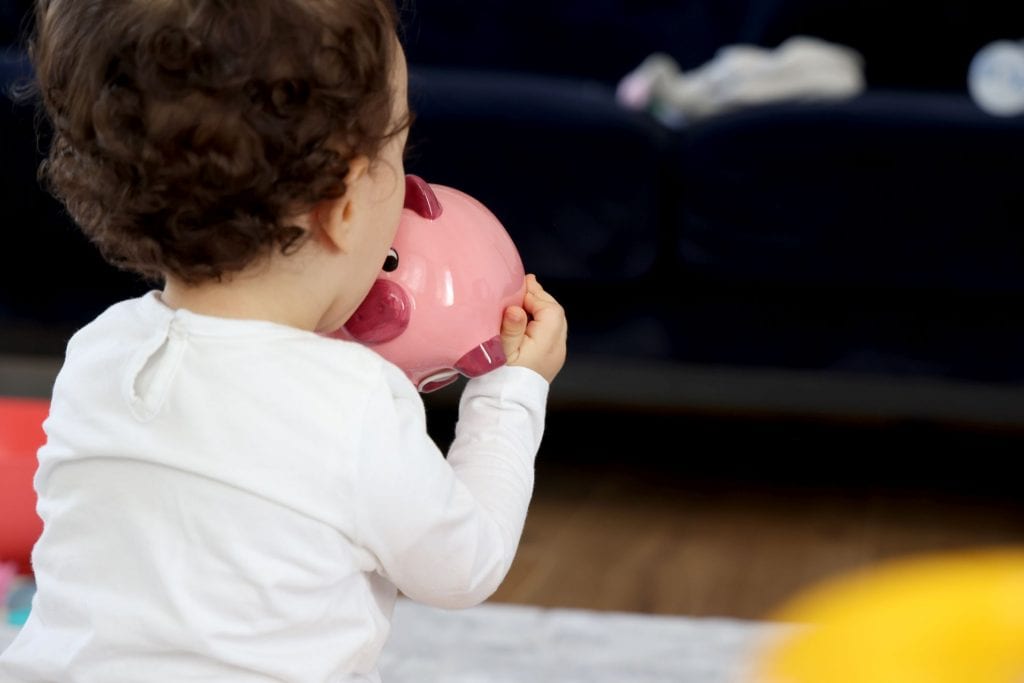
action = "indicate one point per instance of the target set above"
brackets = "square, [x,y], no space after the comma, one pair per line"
[853,259]
[860,258]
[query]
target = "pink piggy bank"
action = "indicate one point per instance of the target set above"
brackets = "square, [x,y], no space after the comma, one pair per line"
[436,309]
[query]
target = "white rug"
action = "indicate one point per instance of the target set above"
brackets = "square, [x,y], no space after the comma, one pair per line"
[496,643]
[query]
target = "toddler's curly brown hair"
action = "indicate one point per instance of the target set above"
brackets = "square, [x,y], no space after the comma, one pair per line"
[186,133]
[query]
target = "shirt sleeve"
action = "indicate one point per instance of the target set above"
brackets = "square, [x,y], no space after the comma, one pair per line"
[445,531]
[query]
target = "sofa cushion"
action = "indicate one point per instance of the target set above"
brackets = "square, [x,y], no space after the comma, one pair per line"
[892,189]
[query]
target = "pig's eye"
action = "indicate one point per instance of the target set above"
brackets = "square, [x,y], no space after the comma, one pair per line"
[391,262]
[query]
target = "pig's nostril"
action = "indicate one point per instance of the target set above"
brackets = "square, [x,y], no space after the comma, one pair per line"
[382,316]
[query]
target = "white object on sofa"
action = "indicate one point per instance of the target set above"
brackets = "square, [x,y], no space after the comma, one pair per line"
[996,78]
[802,67]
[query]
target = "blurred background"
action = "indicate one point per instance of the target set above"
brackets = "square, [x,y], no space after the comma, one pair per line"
[796,321]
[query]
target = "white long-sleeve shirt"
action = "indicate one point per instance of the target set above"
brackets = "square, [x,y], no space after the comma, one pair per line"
[235,500]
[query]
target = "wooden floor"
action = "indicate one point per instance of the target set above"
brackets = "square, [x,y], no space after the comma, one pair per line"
[731,517]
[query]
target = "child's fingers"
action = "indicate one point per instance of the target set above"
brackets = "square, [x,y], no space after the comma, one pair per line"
[542,344]
[544,311]
[548,317]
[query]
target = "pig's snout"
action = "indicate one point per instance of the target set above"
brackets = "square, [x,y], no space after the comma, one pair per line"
[382,316]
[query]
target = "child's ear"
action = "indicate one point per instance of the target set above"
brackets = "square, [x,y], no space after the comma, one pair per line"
[334,218]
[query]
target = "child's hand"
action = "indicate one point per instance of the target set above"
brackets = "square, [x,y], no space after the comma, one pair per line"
[534,336]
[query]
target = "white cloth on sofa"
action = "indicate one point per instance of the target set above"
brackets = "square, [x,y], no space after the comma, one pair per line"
[742,75]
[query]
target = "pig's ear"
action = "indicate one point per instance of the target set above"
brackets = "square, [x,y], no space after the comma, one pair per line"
[420,198]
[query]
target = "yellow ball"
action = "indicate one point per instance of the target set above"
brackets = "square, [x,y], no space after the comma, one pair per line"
[941,618]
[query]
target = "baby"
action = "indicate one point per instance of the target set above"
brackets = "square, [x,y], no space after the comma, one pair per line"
[228,494]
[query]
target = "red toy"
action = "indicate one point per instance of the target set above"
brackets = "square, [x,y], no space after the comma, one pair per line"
[21,435]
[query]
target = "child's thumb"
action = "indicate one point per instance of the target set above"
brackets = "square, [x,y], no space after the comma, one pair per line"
[513,328]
